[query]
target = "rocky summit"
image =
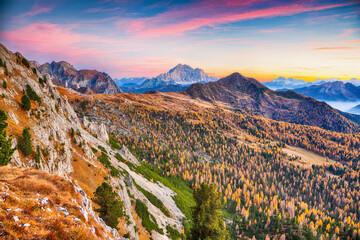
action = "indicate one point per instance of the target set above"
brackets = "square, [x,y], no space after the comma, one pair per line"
[84,81]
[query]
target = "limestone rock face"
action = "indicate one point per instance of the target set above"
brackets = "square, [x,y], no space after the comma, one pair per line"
[127,155]
[98,130]
[84,81]
[62,137]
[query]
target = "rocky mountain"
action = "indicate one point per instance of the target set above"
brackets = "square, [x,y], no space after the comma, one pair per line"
[183,74]
[84,81]
[77,149]
[282,83]
[133,81]
[177,79]
[252,96]
[332,91]
[286,83]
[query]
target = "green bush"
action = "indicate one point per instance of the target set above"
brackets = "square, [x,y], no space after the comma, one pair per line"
[148,220]
[5,144]
[25,62]
[32,94]
[104,159]
[34,71]
[114,143]
[4,85]
[6,70]
[41,81]
[37,155]
[25,103]
[153,199]
[173,233]
[110,207]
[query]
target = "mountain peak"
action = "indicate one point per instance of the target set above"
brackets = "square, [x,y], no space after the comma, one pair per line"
[84,81]
[183,74]
[236,80]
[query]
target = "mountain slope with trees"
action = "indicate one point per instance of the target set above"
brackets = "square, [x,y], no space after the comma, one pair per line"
[249,95]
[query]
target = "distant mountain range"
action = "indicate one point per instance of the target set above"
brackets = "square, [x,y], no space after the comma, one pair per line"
[252,96]
[84,81]
[133,81]
[178,78]
[332,91]
[355,110]
[282,83]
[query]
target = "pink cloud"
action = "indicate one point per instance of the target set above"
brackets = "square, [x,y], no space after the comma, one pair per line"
[348,32]
[37,9]
[175,22]
[61,42]
[271,30]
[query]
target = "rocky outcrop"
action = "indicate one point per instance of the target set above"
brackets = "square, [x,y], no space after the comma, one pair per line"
[98,130]
[84,81]
[61,136]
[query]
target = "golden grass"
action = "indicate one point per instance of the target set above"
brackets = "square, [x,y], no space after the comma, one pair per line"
[25,188]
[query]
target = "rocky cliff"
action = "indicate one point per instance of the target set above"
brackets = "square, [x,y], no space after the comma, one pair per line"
[74,149]
[84,81]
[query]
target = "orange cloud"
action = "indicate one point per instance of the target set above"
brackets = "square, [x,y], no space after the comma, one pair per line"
[336,48]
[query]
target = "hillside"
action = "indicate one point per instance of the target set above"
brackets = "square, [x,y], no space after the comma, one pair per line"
[38,205]
[271,174]
[277,179]
[84,81]
[250,95]
[78,150]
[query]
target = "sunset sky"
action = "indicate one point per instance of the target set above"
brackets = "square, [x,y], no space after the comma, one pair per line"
[263,39]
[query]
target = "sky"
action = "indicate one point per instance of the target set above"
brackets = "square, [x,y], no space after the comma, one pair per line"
[263,39]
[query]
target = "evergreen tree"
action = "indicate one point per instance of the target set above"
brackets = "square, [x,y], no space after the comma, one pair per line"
[4,85]
[206,215]
[5,144]
[6,69]
[25,62]
[25,102]
[110,208]
[32,94]
[24,144]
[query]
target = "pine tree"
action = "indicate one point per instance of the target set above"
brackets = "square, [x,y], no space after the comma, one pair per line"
[25,102]
[206,215]
[24,144]
[110,208]
[5,144]
[4,85]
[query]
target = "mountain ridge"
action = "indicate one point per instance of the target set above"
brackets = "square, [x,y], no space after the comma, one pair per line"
[332,91]
[176,79]
[251,95]
[292,83]
[84,81]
